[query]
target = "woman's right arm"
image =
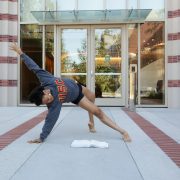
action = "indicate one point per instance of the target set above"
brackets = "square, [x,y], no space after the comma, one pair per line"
[43,76]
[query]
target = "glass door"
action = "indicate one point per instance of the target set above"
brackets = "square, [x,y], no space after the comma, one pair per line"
[93,57]
[107,61]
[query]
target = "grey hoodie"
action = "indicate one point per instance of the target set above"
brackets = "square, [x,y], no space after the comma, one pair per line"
[48,81]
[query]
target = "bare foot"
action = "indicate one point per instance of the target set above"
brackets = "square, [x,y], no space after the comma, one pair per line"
[91,128]
[36,141]
[126,137]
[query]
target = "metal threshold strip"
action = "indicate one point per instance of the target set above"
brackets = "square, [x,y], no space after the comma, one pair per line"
[92,16]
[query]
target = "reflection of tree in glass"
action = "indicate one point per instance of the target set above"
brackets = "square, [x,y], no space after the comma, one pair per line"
[101,44]
[82,53]
[78,66]
[81,66]
[108,83]
[103,83]
[66,62]
[31,31]
[108,44]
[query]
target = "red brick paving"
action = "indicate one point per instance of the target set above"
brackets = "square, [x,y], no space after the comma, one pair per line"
[166,143]
[13,134]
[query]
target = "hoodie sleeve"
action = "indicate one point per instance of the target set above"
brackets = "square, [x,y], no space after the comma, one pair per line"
[44,77]
[51,118]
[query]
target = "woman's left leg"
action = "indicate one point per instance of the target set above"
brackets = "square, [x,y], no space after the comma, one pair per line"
[92,108]
[91,97]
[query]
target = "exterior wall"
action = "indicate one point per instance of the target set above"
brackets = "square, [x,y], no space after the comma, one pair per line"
[8,59]
[173,52]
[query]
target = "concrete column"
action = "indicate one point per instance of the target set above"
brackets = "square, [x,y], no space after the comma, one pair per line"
[8,59]
[173,52]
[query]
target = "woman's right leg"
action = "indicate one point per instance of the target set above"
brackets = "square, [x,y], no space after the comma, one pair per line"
[92,108]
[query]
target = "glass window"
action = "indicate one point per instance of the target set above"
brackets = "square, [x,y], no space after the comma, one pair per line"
[132,4]
[28,6]
[49,49]
[66,5]
[108,78]
[31,43]
[157,7]
[115,4]
[74,54]
[152,4]
[152,78]
[90,5]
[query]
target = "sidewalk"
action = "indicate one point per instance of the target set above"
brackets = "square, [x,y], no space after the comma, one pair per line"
[145,158]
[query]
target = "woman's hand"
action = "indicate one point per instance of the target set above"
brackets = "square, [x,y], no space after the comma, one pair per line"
[36,141]
[15,48]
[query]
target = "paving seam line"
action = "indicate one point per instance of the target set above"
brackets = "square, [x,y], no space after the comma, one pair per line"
[38,147]
[129,151]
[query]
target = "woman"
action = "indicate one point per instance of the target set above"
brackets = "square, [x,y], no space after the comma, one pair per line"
[55,91]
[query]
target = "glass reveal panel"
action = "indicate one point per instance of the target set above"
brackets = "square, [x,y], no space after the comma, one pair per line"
[152,73]
[74,54]
[31,44]
[108,63]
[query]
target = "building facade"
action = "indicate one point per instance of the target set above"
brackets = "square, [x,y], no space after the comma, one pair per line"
[120,49]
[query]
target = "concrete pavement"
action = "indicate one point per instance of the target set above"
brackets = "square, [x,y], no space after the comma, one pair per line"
[142,159]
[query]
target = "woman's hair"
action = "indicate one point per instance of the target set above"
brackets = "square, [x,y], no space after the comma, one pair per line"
[36,95]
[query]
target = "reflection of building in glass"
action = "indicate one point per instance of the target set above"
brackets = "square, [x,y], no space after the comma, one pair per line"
[152,61]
